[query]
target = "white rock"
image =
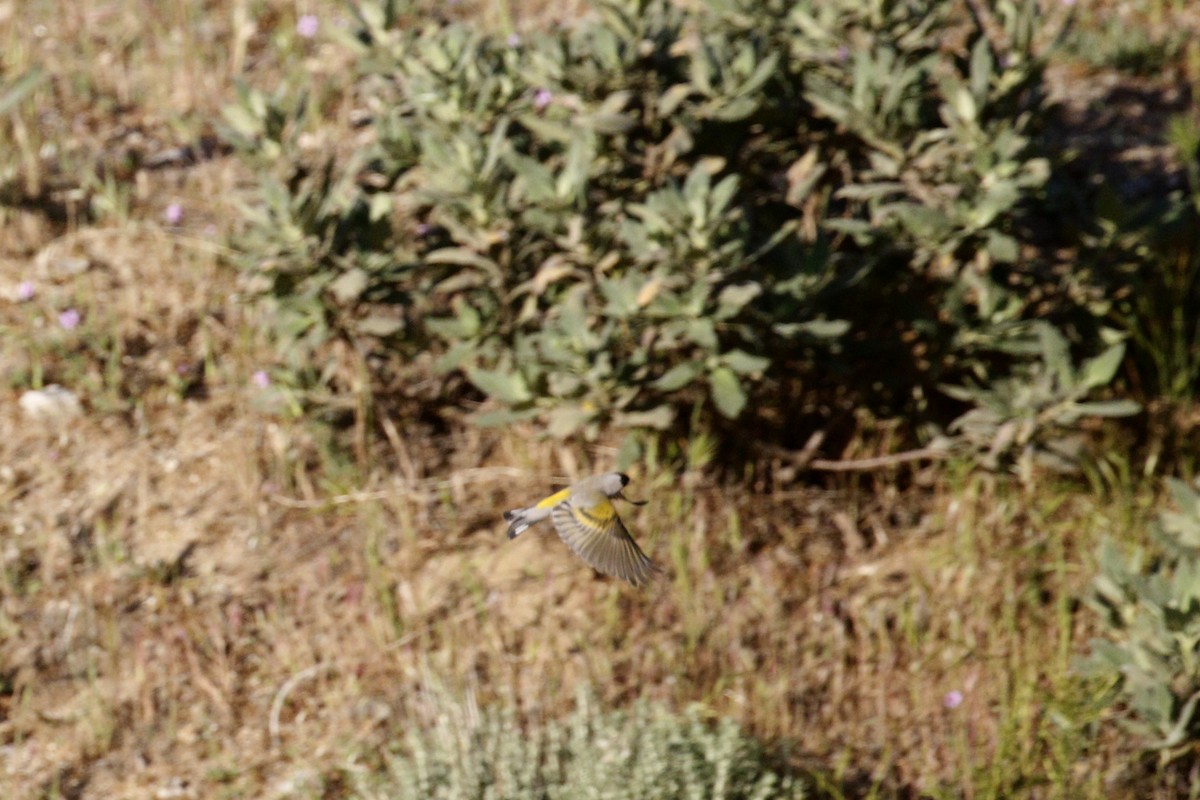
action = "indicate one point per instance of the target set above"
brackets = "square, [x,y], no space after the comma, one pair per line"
[51,404]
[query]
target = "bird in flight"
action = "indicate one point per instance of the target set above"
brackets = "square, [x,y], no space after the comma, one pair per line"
[585,518]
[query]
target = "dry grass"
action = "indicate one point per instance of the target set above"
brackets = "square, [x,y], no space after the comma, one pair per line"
[203,597]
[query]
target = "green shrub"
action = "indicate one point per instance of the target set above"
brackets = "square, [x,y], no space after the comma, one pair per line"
[1151,616]
[1029,417]
[659,208]
[468,753]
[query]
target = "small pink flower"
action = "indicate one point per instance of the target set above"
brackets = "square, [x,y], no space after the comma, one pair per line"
[543,98]
[25,291]
[69,319]
[423,229]
[174,214]
[513,40]
[953,699]
[307,26]
[261,379]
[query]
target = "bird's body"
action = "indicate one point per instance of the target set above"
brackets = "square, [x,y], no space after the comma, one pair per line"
[585,518]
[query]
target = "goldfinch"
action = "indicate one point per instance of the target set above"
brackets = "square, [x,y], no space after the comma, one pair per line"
[585,518]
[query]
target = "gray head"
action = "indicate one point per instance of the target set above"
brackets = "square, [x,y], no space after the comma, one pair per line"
[611,483]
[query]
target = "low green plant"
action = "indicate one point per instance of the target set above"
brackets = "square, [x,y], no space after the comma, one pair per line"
[1150,611]
[469,752]
[662,208]
[1029,417]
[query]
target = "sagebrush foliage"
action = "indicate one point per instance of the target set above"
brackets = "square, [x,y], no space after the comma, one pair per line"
[1151,617]
[663,207]
[468,753]
[1029,419]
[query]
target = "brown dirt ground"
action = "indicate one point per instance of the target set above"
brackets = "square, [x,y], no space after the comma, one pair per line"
[199,599]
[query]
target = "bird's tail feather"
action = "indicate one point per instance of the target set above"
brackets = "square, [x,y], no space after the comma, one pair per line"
[517,522]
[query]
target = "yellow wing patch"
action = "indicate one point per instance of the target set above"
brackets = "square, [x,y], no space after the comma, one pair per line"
[599,538]
[598,514]
[554,499]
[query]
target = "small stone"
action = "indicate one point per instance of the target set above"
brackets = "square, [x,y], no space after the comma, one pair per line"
[51,404]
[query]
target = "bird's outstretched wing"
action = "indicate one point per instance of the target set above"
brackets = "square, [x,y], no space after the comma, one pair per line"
[598,536]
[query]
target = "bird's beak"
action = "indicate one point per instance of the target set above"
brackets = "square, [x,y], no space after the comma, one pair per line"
[632,502]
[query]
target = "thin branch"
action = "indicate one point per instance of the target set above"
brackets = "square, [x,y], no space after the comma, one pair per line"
[879,462]
[804,459]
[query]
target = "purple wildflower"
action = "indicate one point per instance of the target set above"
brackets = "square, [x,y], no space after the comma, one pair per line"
[174,214]
[953,699]
[543,98]
[513,40]
[25,291]
[69,319]
[261,379]
[307,25]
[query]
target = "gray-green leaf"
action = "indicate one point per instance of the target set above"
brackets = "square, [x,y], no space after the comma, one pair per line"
[678,376]
[507,387]
[1099,371]
[744,363]
[1109,408]
[349,285]
[566,420]
[377,325]
[727,392]
[734,298]
[659,418]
